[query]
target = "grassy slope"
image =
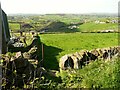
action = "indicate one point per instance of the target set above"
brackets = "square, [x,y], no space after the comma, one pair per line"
[58,45]
[97,74]
[83,27]
[102,74]
[67,19]
[97,27]
[14,26]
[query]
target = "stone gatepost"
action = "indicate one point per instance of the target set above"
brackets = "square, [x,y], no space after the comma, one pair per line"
[0,47]
[4,36]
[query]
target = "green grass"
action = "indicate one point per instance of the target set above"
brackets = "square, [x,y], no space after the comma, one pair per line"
[97,74]
[57,45]
[84,27]
[14,26]
[97,27]
[101,74]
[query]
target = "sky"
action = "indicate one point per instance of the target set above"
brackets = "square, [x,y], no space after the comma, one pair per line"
[59,6]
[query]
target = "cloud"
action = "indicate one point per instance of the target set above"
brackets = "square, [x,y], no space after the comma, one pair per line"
[59,6]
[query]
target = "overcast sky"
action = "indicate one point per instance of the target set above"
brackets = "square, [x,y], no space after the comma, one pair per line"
[59,6]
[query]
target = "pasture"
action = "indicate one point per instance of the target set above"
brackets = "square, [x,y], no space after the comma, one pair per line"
[98,27]
[14,26]
[97,74]
[82,22]
[86,27]
[57,45]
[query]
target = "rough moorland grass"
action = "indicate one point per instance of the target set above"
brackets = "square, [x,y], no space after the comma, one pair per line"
[57,45]
[97,74]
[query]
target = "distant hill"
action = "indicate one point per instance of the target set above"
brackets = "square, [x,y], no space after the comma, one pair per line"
[66,22]
[57,27]
[98,14]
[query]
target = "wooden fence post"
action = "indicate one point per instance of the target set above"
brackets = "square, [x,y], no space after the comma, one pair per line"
[43,54]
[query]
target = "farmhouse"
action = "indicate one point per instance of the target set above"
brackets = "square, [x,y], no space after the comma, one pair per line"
[73,27]
[114,21]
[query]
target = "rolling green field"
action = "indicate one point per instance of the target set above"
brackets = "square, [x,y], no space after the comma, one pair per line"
[57,45]
[14,26]
[82,22]
[98,73]
[82,28]
[97,27]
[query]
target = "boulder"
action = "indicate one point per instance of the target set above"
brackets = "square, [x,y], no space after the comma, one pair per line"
[65,62]
[78,55]
[92,56]
[62,61]
[31,54]
[75,61]
[18,54]
[95,52]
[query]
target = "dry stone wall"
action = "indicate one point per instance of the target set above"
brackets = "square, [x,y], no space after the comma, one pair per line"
[80,59]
